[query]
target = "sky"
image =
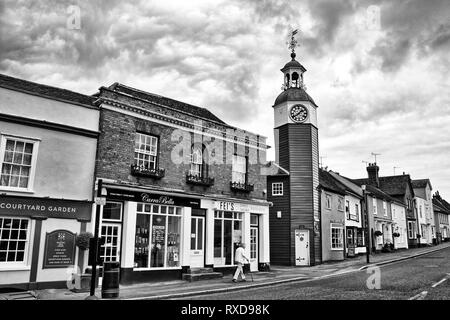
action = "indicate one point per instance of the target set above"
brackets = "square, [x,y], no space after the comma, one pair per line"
[378,70]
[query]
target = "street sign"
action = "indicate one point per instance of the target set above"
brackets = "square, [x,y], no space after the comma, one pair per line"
[100,201]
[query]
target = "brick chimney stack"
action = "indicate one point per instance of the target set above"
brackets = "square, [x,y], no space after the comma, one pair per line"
[372,170]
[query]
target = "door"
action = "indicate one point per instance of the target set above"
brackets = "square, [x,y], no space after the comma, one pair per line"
[254,245]
[110,242]
[301,248]
[197,242]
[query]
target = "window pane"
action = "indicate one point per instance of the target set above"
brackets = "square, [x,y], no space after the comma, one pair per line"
[218,238]
[158,241]
[173,241]
[28,148]
[193,233]
[8,156]
[228,241]
[200,235]
[10,145]
[112,211]
[141,249]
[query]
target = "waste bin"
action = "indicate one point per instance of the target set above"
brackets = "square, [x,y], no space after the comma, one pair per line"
[110,282]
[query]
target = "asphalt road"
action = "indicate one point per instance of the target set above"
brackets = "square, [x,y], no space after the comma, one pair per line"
[419,278]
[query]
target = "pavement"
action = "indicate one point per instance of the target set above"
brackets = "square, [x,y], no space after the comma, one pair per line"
[278,275]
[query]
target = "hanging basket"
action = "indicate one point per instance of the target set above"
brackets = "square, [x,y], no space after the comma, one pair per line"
[378,233]
[82,240]
[396,234]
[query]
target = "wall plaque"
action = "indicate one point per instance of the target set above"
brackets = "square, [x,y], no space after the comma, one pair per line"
[59,249]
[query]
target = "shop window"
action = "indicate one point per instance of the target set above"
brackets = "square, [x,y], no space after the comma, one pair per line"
[277,189]
[239,169]
[158,234]
[13,240]
[337,237]
[360,242]
[18,163]
[146,151]
[227,235]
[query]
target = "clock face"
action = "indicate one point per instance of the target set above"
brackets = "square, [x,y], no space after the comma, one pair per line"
[298,113]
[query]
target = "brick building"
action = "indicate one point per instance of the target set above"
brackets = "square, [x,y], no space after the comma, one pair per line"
[183,188]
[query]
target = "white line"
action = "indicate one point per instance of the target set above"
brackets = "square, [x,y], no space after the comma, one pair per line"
[438,283]
[419,296]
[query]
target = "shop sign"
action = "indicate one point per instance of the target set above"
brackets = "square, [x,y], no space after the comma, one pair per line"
[51,208]
[59,249]
[239,207]
[125,195]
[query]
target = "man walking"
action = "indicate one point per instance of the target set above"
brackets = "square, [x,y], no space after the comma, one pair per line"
[240,258]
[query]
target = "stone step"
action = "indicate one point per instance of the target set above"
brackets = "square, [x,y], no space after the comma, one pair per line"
[199,270]
[202,276]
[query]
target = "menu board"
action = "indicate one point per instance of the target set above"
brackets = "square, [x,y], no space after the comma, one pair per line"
[158,235]
[59,249]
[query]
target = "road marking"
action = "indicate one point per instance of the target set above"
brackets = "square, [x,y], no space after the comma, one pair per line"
[419,296]
[438,283]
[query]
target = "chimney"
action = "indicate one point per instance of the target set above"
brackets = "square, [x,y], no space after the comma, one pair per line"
[372,170]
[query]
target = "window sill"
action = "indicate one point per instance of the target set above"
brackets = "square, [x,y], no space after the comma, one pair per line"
[14,268]
[18,190]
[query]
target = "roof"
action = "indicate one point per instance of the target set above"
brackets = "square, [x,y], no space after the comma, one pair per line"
[293,64]
[328,182]
[438,205]
[392,185]
[293,94]
[172,103]
[420,183]
[274,169]
[45,91]
[377,192]
[348,185]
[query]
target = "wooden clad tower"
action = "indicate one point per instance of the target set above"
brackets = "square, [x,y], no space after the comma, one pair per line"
[295,216]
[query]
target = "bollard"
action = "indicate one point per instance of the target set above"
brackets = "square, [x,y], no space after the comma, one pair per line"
[110,282]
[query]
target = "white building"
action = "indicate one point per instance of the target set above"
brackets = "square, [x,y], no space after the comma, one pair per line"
[399,225]
[424,210]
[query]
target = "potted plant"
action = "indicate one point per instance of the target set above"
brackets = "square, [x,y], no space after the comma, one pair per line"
[378,233]
[83,280]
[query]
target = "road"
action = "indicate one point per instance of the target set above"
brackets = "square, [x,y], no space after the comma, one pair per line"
[420,278]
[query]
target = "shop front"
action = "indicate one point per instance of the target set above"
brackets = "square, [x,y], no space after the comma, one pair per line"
[162,235]
[355,241]
[37,240]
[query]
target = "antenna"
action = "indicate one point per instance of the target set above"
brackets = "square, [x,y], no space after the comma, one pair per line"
[396,168]
[321,161]
[366,162]
[375,155]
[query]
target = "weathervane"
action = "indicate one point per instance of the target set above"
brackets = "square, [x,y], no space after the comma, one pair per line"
[292,42]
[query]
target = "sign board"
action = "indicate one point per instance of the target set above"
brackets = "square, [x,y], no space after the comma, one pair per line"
[351,250]
[153,198]
[59,249]
[50,208]
[239,207]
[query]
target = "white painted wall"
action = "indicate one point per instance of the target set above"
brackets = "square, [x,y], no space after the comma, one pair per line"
[39,108]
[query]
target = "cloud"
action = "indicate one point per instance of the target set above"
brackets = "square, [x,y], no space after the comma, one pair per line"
[378,87]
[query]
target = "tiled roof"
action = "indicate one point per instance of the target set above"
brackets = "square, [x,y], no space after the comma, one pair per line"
[439,206]
[420,183]
[347,184]
[392,185]
[328,182]
[377,192]
[171,103]
[46,91]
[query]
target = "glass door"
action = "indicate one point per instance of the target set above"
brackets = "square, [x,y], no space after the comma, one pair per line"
[254,249]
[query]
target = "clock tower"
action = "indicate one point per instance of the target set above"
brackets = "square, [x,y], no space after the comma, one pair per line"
[295,217]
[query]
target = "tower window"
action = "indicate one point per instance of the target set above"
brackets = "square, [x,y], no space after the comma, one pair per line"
[277,189]
[295,79]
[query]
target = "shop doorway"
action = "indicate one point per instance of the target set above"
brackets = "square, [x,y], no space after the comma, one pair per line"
[301,247]
[254,245]
[197,242]
[110,242]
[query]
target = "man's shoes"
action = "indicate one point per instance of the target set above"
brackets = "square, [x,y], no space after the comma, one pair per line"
[234,280]
[243,280]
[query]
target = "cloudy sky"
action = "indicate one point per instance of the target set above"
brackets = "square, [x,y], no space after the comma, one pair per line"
[379,70]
